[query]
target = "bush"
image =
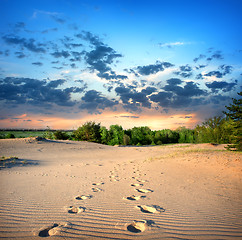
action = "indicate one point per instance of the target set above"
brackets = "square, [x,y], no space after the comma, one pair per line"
[10,135]
[90,131]
[126,139]
[59,135]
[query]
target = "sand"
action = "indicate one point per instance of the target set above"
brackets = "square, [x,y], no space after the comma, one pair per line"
[80,190]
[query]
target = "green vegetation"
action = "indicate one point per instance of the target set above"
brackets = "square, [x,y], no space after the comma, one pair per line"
[216,130]
[235,114]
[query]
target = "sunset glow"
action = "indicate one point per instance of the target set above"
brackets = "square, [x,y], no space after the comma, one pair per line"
[161,64]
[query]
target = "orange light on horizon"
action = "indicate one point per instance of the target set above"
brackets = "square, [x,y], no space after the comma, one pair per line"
[126,120]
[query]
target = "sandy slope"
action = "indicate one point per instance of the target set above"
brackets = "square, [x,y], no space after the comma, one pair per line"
[80,190]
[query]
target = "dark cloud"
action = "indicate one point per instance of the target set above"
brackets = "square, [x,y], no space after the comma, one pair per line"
[88,36]
[35,92]
[216,74]
[199,76]
[226,69]
[55,62]
[19,26]
[93,101]
[217,55]
[49,30]
[58,19]
[132,99]
[185,71]
[20,55]
[149,90]
[73,65]
[111,75]
[29,44]
[176,96]
[76,56]
[68,43]
[37,64]
[218,99]
[58,68]
[64,54]
[215,86]
[201,56]
[152,68]
[131,71]
[200,66]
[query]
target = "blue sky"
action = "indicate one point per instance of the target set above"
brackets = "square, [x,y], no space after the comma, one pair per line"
[162,64]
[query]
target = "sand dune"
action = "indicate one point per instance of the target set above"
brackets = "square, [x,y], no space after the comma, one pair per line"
[80,190]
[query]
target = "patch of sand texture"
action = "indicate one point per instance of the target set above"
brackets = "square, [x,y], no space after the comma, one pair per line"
[184,191]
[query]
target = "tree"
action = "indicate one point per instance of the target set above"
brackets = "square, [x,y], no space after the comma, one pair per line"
[235,114]
[213,130]
[141,136]
[90,131]
[116,134]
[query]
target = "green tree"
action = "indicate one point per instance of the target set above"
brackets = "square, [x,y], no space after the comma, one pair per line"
[116,135]
[104,135]
[89,131]
[141,136]
[211,131]
[235,114]
[186,135]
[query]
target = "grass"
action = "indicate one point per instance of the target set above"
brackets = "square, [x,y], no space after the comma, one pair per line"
[26,133]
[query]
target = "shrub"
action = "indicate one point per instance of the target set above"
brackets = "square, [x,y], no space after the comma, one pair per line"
[10,135]
[126,139]
[59,135]
[90,131]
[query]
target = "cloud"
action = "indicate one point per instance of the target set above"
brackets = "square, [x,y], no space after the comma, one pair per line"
[152,68]
[201,56]
[57,54]
[132,100]
[93,101]
[49,30]
[88,36]
[19,26]
[175,96]
[39,93]
[172,44]
[20,55]
[185,71]
[216,55]
[149,90]
[29,44]
[37,64]
[58,19]
[215,86]
[216,74]
[226,69]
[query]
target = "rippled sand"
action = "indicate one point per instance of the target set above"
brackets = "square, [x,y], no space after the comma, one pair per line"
[80,190]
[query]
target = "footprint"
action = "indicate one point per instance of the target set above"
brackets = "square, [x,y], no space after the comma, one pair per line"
[52,230]
[73,209]
[137,226]
[134,198]
[97,184]
[151,209]
[83,197]
[97,189]
[144,190]
[137,185]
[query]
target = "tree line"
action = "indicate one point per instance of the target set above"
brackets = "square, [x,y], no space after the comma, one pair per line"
[217,130]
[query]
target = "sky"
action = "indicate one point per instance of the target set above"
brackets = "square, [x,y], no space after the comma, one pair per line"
[161,64]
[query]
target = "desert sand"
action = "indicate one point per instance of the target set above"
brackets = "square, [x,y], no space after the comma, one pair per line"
[81,190]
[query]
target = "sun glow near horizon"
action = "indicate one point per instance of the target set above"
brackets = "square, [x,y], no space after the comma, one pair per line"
[126,120]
